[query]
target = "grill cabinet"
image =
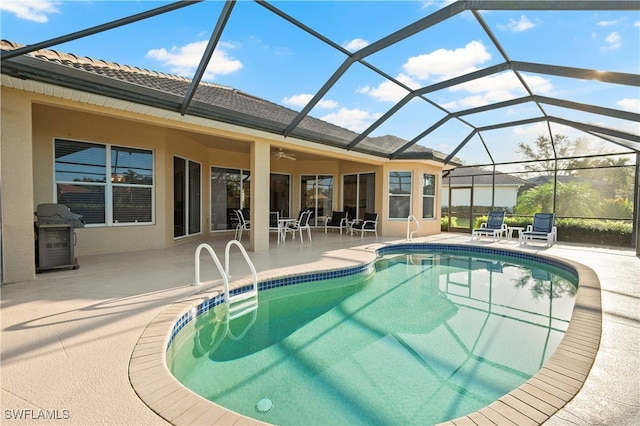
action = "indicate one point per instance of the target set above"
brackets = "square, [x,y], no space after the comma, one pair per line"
[55,236]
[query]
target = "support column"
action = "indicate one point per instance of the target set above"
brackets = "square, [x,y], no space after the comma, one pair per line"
[260,176]
[16,180]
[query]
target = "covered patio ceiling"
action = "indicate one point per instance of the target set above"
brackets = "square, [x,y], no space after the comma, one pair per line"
[440,116]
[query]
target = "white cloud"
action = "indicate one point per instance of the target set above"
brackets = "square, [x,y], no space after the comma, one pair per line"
[531,131]
[32,10]
[352,119]
[630,104]
[355,44]
[608,23]
[185,60]
[303,99]
[496,88]
[444,63]
[438,3]
[520,25]
[636,24]
[388,91]
[613,41]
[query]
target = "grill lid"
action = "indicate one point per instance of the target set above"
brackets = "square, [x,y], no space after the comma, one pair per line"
[58,213]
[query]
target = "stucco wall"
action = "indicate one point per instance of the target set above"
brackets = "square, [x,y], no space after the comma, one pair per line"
[52,122]
[18,245]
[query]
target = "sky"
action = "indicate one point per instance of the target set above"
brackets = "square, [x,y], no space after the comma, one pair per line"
[266,56]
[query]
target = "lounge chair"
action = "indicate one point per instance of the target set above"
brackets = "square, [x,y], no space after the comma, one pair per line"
[543,228]
[299,225]
[494,226]
[368,224]
[336,220]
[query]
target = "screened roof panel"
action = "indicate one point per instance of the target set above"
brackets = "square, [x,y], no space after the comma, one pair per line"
[474,149]
[337,73]
[547,37]
[515,112]
[410,120]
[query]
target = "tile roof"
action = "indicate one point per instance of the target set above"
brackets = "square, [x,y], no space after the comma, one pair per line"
[463,176]
[227,104]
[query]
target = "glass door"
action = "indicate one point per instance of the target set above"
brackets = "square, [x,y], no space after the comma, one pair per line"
[317,195]
[460,209]
[230,189]
[279,199]
[186,197]
[359,194]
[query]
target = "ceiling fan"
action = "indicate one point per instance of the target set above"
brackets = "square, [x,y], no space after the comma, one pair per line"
[280,154]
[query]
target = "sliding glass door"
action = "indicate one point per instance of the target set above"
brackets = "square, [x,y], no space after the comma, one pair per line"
[317,195]
[230,191]
[279,199]
[359,194]
[186,197]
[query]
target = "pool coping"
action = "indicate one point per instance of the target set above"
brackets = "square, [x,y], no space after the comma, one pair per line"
[535,401]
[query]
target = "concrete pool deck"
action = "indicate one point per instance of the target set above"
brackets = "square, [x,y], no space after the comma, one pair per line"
[68,336]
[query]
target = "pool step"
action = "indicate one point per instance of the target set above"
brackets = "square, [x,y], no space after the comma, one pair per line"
[241,308]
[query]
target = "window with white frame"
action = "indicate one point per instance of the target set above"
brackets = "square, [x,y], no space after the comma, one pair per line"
[106,184]
[399,195]
[428,196]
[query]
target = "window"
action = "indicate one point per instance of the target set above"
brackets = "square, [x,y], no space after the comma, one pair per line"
[106,184]
[428,196]
[399,195]
[186,197]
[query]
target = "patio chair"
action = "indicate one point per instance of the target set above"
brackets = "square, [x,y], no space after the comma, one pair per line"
[274,219]
[336,220]
[543,228]
[368,224]
[300,224]
[494,226]
[243,223]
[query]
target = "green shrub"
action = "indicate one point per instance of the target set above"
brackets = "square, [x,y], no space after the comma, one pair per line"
[444,223]
[594,231]
[620,208]
[588,231]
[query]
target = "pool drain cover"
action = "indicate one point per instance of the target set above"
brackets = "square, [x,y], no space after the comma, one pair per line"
[264,405]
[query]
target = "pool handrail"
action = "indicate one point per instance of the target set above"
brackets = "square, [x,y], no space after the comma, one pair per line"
[240,303]
[411,218]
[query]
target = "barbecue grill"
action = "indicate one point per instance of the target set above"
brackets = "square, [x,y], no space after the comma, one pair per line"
[56,237]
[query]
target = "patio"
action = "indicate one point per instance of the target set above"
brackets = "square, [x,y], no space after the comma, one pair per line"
[68,336]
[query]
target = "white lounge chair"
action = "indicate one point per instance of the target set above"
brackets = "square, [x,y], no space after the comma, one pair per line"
[543,228]
[494,226]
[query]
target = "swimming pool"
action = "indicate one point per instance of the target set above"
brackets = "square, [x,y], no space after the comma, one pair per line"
[458,353]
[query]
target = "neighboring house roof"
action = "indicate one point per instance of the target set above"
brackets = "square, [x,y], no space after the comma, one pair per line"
[212,101]
[464,176]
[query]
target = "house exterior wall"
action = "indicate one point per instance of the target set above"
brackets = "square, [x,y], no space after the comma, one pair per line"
[31,121]
[506,196]
[398,227]
[50,122]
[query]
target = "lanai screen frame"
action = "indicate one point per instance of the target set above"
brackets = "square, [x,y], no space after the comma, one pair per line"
[11,62]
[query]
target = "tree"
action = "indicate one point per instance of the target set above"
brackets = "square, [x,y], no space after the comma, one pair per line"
[573,199]
[544,153]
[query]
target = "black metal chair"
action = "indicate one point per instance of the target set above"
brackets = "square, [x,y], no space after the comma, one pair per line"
[336,220]
[368,224]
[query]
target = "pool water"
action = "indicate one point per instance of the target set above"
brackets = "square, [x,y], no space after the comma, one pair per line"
[426,338]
